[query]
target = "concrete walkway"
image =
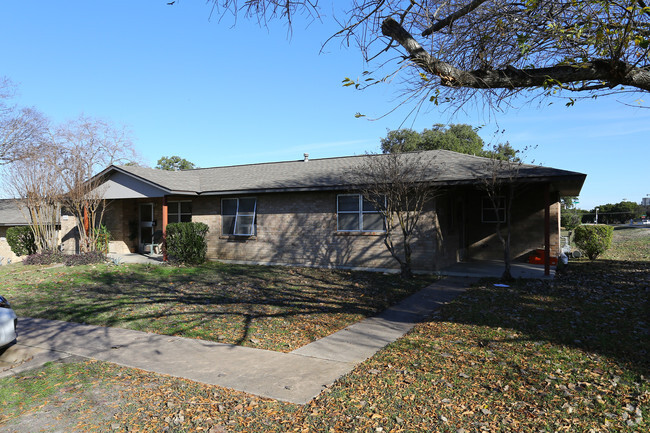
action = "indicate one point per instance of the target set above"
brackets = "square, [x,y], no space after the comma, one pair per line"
[295,377]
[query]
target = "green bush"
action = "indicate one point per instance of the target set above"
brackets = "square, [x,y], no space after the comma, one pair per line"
[103,238]
[21,240]
[186,242]
[593,240]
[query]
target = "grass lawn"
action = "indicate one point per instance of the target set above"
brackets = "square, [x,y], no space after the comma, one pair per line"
[572,354]
[275,308]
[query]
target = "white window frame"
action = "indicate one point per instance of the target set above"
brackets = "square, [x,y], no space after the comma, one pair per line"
[253,228]
[178,210]
[487,207]
[359,212]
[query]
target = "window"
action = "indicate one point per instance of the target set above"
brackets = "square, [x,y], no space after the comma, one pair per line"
[238,216]
[357,214]
[179,211]
[489,214]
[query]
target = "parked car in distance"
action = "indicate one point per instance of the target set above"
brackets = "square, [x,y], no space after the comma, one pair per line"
[8,322]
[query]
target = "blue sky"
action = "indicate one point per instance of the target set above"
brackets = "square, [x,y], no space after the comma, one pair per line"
[218,94]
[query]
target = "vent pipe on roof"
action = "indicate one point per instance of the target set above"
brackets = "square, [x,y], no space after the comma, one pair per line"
[306,155]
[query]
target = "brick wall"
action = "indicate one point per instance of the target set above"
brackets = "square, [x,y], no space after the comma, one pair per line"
[300,228]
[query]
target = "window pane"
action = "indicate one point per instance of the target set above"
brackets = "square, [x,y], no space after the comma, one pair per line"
[370,206]
[227,225]
[373,222]
[229,206]
[186,218]
[244,225]
[246,205]
[186,207]
[348,203]
[348,221]
[173,217]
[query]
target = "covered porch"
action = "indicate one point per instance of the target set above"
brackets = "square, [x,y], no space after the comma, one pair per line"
[494,269]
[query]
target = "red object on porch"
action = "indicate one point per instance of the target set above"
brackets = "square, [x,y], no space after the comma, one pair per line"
[537,258]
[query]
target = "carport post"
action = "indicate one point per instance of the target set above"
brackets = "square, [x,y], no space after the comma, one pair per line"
[547,229]
[165,219]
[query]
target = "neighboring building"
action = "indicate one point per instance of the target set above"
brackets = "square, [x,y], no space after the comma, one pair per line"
[645,201]
[10,216]
[308,213]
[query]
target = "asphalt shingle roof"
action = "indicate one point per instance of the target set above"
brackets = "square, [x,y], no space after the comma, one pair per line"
[328,173]
[10,214]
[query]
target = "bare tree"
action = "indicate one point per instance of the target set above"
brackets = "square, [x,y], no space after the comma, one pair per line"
[22,131]
[37,182]
[498,180]
[450,51]
[398,186]
[61,173]
[85,146]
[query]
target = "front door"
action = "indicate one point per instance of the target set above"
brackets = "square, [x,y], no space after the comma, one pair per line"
[146,227]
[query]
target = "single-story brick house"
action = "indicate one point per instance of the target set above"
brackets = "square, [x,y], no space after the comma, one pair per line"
[307,212]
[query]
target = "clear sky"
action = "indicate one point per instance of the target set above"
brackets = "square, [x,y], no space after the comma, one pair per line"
[218,94]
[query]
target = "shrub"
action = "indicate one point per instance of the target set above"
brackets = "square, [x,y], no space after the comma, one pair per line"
[186,242]
[87,258]
[593,239]
[21,240]
[44,258]
[103,238]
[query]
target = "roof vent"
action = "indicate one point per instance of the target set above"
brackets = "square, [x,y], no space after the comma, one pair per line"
[306,155]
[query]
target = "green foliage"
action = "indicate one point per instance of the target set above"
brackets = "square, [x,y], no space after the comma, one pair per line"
[620,212]
[21,240]
[174,163]
[186,242]
[594,239]
[458,138]
[461,138]
[570,216]
[102,239]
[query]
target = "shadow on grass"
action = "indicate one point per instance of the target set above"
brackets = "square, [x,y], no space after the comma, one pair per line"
[600,307]
[287,307]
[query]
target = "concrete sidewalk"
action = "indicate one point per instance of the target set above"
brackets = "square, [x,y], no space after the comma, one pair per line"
[295,377]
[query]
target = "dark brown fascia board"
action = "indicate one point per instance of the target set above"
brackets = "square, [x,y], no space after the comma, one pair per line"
[578,177]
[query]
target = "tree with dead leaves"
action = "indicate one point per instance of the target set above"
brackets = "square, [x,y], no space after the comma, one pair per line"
[453,51]
[399,186]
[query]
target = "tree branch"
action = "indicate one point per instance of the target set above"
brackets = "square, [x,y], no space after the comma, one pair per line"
[610,73]
[453,17]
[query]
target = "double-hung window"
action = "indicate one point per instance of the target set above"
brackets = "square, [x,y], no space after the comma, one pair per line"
[357,214]
[238,216]
[179,211]
[491,215]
